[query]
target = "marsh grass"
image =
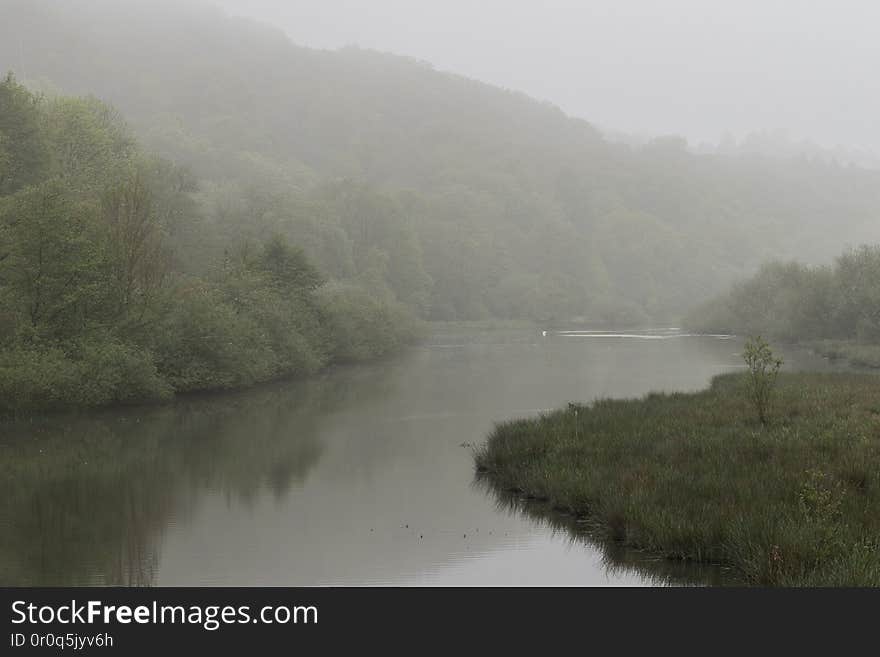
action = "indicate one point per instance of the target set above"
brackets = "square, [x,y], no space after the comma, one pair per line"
[616,558]
[697,477]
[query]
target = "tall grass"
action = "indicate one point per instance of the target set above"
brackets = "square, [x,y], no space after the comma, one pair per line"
[698,477]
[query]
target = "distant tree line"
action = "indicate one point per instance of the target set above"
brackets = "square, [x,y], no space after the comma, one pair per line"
[460,200]
[795,302]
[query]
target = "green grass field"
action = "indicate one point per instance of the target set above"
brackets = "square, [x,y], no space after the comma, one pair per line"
[695,476]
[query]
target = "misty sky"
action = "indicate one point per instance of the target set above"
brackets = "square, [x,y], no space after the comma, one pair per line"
[697,68]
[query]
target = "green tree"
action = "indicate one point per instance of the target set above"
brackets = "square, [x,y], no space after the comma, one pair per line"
[764,368]
[52,264]
[287,267]
[858,276]
[89,143]
[137,263]
[23,151]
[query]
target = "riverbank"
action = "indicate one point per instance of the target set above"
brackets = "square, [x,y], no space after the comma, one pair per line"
[105,374]
[122,282]
[696,477]
[853,353]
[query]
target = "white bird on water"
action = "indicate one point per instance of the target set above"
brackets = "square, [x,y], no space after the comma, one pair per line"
[544,333]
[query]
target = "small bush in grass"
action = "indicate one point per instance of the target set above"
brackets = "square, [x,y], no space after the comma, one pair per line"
[821,499]
[764,368]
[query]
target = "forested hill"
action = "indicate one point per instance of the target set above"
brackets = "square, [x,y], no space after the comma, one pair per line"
[461,199]
[96,303]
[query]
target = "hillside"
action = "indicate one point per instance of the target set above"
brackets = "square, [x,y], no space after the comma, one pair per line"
[461,199]
[97,303]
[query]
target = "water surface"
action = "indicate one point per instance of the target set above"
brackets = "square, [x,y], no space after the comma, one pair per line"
[362,475]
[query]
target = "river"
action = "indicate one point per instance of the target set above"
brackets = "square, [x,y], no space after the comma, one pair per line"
[361,475]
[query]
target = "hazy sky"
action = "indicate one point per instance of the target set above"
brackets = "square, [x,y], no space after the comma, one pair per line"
[697,68]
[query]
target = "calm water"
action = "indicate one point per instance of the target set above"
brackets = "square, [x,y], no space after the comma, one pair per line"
[360,476]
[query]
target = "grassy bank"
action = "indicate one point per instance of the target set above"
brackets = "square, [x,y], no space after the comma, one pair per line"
[696,477]
[854,353]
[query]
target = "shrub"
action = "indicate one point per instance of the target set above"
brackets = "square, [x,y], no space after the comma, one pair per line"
[763,370]
[111,371]
[204,344]
[36,379]
[93,373]
[362,326]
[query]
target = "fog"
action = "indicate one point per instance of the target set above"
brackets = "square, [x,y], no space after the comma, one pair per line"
[366,233]
[695,68]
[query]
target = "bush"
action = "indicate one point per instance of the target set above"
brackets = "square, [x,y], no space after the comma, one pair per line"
[203,344]
[93,374]
[763,371]
[37,379]
[287,317]
[362,326]
[789,301]
[113,372]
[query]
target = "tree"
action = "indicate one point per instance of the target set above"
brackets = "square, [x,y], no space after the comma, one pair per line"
[288,267]
[763,370]
[51,263]
[88,141]
[136,255]
[858,274]
[23,153]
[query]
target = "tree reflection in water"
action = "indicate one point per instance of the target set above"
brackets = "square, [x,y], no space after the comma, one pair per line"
[86,498]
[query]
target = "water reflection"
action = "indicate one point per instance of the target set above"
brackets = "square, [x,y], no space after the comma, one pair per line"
[86,499]
[361,475]
[618,561]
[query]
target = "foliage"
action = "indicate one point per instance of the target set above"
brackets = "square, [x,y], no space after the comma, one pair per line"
[763,371]
[49,267]
[97,302]
[95,372]
[465,201]
[362,326]
[836,308]
[22,152]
